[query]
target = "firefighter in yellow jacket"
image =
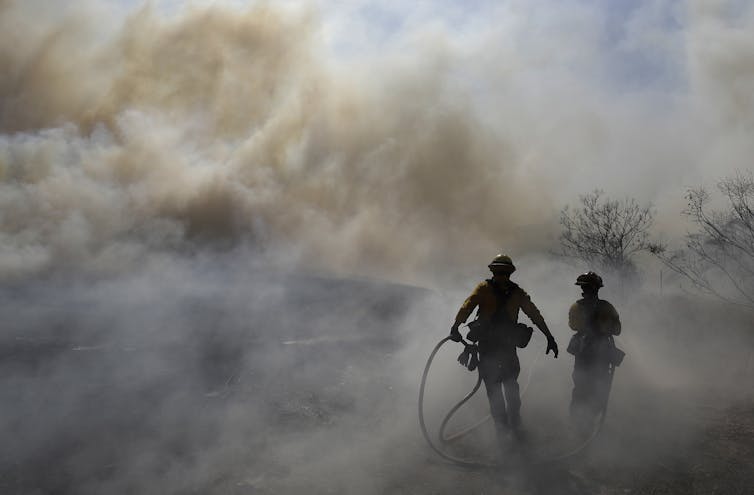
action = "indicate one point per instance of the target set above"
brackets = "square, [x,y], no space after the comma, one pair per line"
[499,301]
[595,322]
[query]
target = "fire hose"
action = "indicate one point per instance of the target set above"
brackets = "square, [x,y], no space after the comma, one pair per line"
[465,431]
[480,464]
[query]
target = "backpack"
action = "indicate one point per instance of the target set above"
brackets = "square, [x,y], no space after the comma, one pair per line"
[500,331]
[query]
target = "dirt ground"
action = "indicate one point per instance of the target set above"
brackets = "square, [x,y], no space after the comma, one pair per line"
[717,458]
[200,404]
[720,461]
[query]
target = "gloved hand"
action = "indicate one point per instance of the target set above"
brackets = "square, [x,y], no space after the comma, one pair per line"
[455,335]
[468,358]
[463,358]
[474,362]
[552,346]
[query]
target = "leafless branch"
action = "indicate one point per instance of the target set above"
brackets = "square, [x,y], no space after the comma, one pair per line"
[719,255]
[605,232]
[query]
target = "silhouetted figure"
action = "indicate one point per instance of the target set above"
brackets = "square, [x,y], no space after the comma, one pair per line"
[498,332]
[595,321]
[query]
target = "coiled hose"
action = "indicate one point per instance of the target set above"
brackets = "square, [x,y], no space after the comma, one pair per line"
[479,464]
[445,439]
[447,457]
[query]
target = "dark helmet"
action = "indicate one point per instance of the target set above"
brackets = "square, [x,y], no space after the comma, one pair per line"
[590,279]
[502,261]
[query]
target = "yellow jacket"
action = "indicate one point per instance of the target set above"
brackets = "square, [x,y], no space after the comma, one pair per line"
[484,297]
[594,315]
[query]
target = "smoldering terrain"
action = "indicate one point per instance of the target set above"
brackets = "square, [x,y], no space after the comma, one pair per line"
[235,381]
[230,236]
[211,376]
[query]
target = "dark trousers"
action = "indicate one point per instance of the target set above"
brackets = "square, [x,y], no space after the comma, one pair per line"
[499,369]
[591,379]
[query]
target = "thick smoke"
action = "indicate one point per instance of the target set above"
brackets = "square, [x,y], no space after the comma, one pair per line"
[189,195]
[222,127]
[225,125]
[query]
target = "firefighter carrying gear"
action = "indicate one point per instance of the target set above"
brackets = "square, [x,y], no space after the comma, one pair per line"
[595,322]
[499,301]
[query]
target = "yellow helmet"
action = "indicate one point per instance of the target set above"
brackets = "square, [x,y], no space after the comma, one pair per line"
[502,261]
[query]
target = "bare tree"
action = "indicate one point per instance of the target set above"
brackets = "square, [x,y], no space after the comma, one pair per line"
[606,233]
[719,256]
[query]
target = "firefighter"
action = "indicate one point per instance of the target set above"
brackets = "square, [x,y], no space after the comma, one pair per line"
[595,322]
[495,329]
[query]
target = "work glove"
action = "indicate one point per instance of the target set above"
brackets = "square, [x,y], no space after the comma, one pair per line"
[455,335]
[552,346]
[473,362]
[468,358]
[463,358]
